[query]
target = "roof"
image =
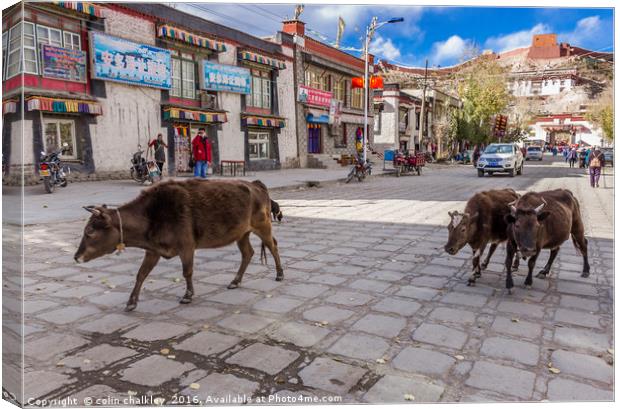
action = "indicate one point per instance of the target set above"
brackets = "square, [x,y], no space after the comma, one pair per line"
[200,25]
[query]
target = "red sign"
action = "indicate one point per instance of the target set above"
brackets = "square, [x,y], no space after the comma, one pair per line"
[314,96]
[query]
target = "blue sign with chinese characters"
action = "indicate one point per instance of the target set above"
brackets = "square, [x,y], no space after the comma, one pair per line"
[116,59]
[217,77]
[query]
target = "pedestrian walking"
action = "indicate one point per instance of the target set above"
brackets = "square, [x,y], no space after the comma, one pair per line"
[159,146]
[565,152]
[597,162]
[475,156]
[201,152]
[587,160]
[572,157]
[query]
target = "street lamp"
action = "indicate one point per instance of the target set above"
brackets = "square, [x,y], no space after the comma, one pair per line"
[370,30]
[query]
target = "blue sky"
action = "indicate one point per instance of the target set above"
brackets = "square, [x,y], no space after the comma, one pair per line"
[437,33]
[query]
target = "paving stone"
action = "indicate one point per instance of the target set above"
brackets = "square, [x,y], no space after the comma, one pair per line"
[327,313]
[302,335]
[344,269]
[520,308]
[420,293]
[32,306]
[154,331]
[236,297]
[307,265]
[263,284]
[154,370]
[68,314]
[156,306]
[370,285]
[511,350]
[425,361]
[101,395]
[581,365]
[382,325]
[349,298]
[560,389]
[360,346]
[111,299]
[521,328]
[502,379]
[45,348]
[439,270]
[330,375]
[386,275]
[453,315]
[98,357]
[40,383]
[581,338]
[245,322]
[208,343]
[392,389]
[575,288]
[218,388]
[470,300]
[583,319]
[430,281]
[108,324]
[398,306]
[265,358]
[198,313]
[78,292]
[280,304]
[440,335]
[305,290]
[329,279]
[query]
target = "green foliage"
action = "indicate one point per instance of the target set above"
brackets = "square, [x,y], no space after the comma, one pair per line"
[601,114]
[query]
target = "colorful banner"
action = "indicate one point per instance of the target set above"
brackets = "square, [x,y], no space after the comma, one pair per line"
[198,116]
[261,59]
[116,59]
[63,105]
[63,63]
[264,122]
[218,77]
[314,96]
[82,7]
[187,37]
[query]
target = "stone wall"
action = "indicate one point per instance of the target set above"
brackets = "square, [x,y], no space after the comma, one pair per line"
[287,139]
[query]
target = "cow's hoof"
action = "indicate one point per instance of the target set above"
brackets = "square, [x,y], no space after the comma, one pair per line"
[484,266]
[585,274]
[131,307]
[477,275]
[471,283]
[185,300]
[542,275]
[279,278]
[232,286]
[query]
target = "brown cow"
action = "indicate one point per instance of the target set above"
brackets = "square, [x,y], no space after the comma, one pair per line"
[544,220]
[482,222]
[175,218]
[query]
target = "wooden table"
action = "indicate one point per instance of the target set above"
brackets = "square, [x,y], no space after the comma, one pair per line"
[232,165]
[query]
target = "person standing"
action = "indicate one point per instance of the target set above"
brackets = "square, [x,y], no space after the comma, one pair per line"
[596,162]
[159,147]
[475,156]
[565,152]
[572,157]
[201,151]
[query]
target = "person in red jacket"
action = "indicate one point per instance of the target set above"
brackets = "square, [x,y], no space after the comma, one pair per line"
[201,151]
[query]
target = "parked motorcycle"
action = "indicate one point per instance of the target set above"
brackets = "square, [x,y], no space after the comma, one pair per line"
[141,169]
[360,170]
[52,171]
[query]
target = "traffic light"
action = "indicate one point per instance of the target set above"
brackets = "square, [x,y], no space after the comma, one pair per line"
[501,123]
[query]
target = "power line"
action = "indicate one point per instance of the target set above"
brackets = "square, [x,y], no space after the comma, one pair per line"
[259,12]
[222,15]
[280,18]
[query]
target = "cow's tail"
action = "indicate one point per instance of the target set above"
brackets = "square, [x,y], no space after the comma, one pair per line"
[263,254]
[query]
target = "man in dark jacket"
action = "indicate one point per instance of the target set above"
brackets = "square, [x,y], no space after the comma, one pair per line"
[201,151]
[597,162]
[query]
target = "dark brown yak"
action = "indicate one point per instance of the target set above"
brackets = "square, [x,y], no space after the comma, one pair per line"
[175,218]
[482,222]
[544,220]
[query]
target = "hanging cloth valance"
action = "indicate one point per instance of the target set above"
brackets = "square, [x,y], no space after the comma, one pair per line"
[261,59]
[187,37]
[198,116]
[267,122]
[82,7]
[9,106]
[63,105]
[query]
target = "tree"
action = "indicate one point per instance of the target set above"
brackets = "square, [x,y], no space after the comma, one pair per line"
[601,114]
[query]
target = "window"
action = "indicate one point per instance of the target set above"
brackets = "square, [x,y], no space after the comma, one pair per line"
[318,81]
[261,90]
[183,77]
[344,134]
[357,98]
[56,133]
[339,90]
[377,123]
[72,40]
[258,143]
[47,35]
[17,42]
[5,47]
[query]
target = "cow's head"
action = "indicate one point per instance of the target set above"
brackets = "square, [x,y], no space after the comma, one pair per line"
[459,230]
[100,235]
[526,223]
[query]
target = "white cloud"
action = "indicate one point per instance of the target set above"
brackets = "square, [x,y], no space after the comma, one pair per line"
[517,39]
[384,48]
[586,30]
[449,51]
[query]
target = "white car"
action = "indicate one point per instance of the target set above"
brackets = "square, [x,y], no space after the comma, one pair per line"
[534,153]
[501,158]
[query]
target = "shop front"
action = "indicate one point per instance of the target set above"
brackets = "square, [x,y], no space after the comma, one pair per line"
[261,136]
[317,124]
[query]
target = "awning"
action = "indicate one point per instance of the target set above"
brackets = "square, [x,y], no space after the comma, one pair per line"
[264,121]
[9,106]
[82,7]
[198,116]
[187,37]
[322,119]
[261,59]
[59,105]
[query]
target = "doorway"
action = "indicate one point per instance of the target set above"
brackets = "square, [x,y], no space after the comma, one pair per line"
[314,138]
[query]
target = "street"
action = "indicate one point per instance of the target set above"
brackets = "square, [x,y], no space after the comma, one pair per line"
[371,308]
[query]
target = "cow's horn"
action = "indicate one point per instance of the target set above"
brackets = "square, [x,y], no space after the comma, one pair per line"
[540,207]
[92,210]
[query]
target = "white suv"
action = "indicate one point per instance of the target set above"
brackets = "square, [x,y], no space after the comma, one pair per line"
[501,157]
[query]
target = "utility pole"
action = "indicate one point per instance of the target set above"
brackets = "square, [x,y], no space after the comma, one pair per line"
[422,108]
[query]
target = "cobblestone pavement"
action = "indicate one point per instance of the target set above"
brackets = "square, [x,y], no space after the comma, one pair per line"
[371,309]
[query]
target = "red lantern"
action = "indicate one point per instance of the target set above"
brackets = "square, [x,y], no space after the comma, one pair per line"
[376,82]
[357,82]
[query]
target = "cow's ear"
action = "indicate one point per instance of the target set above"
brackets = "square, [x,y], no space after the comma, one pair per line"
[542,216]
[509,218]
